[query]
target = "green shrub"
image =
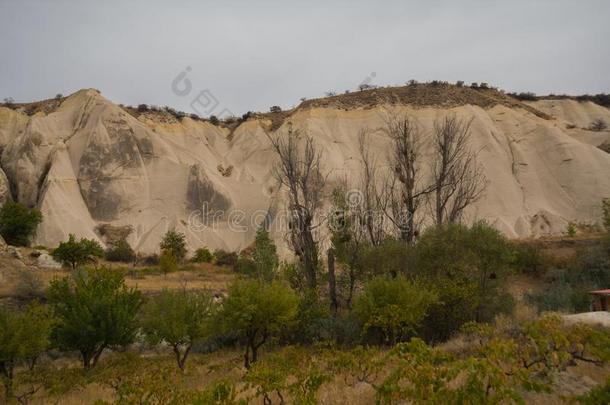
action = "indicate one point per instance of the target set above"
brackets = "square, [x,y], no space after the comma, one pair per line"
[568,289]
[224,258]
[174,242]
[202,255]
[265,256]
[120,251]
[168,262]
[528,258]
[256,312]
[95,311]
[245,266]
[18,223]
[23,337]
[179,318]
[468,266]
[393,307]
[75,253]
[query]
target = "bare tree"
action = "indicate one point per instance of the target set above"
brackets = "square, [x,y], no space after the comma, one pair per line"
[458,179]
[406,190]
[369,211]
[298,169]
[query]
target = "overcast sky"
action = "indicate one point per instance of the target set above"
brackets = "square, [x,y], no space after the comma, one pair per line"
[250,55]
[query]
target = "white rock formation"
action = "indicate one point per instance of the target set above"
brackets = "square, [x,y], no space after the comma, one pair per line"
[90,162]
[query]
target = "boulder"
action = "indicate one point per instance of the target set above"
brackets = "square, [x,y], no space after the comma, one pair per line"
[46,261]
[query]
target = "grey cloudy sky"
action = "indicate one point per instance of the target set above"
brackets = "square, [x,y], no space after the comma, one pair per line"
[254,54]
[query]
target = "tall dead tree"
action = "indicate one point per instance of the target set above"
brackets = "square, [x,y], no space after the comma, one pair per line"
[369,212]
[406,190]
[298,169]
[458,179]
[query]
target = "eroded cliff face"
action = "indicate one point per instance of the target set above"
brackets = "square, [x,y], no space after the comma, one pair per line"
[90,163]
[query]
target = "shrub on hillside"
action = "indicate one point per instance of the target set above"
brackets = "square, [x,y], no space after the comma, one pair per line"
[598,125]
[202,255]
[75,253]
[120,251]
[224,258]
[174,242]
[18,223]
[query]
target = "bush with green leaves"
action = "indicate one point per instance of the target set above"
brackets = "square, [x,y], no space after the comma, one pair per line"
[568,289]
[202,255]
[179,319]
[469,267]
[168,262]
[256,311]
[265,256]
[174,242]
[261,261]
[393,307]
[120,251]
[75,253]
[498,367]
[95,311]
[23,337]
[18,223]
[224,258]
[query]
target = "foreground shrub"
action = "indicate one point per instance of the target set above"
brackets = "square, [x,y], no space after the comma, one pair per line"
[18,223]
[95,311]
[394,307]
[257,311]
[75,253]
[23,337]
[498,368]
[179,318]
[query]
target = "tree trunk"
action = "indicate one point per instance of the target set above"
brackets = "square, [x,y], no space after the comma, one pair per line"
[247,357]
[332,284]
[6,368]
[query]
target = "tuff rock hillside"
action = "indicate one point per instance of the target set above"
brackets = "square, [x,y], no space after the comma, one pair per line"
[94,167]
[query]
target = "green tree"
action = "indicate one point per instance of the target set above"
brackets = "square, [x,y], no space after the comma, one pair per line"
[256,311]
[265,256]
[120,251]
[393,306]
[95,311]
[23,337]
[174,242]
[179,318]
[168,262]
[469,266]
[75,253]
[18,223]
[202,255]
